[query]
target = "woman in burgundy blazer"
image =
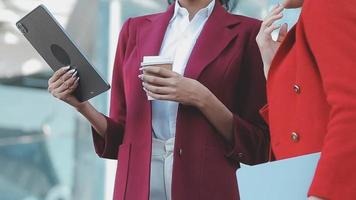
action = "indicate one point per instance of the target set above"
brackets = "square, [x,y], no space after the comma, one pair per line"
[311,91]
[218,122]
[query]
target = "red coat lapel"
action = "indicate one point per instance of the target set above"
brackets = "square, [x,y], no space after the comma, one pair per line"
[283,49]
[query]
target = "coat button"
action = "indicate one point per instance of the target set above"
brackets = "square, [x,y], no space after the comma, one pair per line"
[180,151]
[296,89]
[295,137]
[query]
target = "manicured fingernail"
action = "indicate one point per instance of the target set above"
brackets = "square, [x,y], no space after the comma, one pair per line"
[75,73]
[67,67]
[71,71]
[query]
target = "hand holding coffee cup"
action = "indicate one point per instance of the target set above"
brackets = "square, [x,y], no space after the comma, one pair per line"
[160,82]
[156,61]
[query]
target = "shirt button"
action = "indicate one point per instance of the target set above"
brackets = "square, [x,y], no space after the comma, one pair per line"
[296,89]
[295,137]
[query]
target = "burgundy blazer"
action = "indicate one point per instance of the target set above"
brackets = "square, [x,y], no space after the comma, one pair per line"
[312,96]
[226,60]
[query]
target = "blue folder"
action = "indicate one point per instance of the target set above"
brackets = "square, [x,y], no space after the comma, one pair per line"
[279,180]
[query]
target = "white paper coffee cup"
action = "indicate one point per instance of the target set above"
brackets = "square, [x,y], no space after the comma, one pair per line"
[156,61]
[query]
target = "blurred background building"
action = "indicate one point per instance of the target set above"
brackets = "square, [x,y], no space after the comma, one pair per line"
[46,150]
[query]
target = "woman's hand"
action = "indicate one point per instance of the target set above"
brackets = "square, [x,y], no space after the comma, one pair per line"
[165,84]
[268,47]
[63,83]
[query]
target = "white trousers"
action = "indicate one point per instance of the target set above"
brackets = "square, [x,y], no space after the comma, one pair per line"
[161,169]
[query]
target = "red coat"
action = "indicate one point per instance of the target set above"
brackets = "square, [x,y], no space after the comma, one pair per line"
[226,60]
[311,91]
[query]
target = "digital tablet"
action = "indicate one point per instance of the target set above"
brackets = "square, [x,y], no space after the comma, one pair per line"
[50,40]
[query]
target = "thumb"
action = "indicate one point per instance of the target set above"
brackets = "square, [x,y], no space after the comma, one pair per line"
[282,32]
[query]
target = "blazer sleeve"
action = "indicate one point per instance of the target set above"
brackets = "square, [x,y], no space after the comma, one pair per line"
[107,147]
[251,135]
[330,28]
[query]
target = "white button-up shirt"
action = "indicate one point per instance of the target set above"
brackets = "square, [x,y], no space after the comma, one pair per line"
[178,43]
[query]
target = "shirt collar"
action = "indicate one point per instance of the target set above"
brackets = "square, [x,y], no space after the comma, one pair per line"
[206,12]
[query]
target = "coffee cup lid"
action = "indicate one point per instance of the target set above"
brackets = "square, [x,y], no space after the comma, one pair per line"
[155,60]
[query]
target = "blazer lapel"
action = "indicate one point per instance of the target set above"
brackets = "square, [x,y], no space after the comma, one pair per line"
[149,40]
[215,36]
[151,35]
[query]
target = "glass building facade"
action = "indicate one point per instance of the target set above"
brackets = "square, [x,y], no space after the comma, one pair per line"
[46,150]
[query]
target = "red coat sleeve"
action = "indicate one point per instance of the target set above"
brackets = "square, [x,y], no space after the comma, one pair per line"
[251,135]
[108,147]
[330,28]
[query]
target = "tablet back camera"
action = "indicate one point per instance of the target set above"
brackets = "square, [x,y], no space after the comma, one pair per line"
[60,54]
